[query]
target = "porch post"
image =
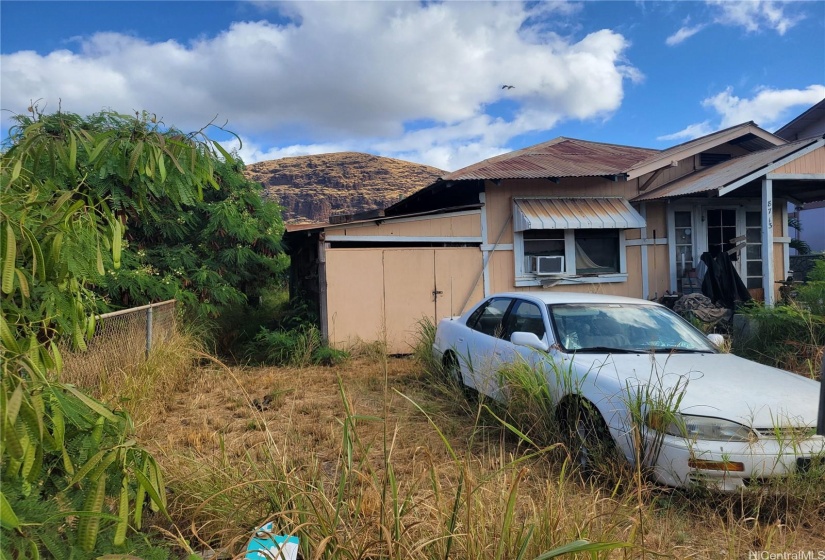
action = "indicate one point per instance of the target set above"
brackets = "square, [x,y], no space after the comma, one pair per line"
[767,241]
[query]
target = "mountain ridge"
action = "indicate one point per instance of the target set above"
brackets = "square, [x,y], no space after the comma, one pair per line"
[313,188]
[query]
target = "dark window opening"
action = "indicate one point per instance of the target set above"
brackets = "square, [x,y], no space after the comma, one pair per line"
[597,251]
[706,160]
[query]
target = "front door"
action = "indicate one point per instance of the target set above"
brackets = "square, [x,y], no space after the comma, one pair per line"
[721,230]
[698,229]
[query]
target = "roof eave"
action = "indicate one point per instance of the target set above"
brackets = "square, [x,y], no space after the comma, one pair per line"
[731,186]
[702,144]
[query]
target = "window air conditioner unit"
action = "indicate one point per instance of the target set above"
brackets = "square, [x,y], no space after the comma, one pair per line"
[543,266]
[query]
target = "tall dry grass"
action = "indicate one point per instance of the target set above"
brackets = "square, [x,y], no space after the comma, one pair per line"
[384,458]
[376,494]
[368,462]
[143,386]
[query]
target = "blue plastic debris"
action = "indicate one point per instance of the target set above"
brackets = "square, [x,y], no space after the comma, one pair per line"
[266,546]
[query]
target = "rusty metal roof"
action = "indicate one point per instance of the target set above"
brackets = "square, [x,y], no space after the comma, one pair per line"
[574,213]
[562,157]
[723,174]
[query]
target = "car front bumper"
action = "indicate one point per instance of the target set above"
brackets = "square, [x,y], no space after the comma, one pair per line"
[729,466]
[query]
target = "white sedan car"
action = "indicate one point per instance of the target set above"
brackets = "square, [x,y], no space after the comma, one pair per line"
[614,364]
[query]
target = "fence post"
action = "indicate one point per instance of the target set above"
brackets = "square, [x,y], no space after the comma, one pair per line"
[148,331]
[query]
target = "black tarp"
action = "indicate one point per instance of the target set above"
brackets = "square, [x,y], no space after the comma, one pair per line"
[722,283]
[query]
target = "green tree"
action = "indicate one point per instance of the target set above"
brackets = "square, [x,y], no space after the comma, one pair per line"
[69,187]
[194,227]
[216,253]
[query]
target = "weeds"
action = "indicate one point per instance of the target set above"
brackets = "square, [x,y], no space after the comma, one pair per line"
[375,460]
[299,347]
[142,387]
[367,504]
[787,336]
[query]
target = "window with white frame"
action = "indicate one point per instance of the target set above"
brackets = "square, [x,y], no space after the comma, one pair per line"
[579,251]
[597,251]
[571,239]
[684,242]
[753,250]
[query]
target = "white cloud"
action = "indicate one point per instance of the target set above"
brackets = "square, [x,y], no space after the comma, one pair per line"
[769,108]
[755,15]
[252,152]
[690,132]
[752,15]
[347,74]
[683,34]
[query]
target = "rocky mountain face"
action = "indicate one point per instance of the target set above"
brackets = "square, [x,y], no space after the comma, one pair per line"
[312,188]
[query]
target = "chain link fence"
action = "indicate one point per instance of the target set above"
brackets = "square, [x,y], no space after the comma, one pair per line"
[122,340]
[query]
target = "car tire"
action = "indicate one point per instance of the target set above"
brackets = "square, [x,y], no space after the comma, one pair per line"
[452,372]
[586,436]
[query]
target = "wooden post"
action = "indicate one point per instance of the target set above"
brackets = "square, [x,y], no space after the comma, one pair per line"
[767,241]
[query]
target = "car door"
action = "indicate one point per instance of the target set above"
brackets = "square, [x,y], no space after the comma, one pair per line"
[527,316]
[486,349]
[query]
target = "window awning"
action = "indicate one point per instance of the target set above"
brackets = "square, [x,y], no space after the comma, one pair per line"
[575,213]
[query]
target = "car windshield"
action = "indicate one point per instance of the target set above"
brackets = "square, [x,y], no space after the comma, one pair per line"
[623,327]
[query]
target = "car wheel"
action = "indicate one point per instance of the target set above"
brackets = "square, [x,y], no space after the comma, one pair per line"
[452,371]
[586,435]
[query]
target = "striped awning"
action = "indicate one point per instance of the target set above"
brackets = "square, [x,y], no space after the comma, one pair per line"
[575,213]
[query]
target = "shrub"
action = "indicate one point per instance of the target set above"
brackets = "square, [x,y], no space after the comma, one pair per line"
[786,336]
[298,347]
[812,294]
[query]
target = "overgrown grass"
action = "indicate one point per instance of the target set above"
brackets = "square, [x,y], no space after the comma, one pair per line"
[366,503]
[786,336]
[298,347]
[790,336]
[366,462]
[142,387]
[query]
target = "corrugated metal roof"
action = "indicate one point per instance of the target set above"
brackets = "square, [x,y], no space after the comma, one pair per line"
[749,141]
[575,213]
[562,157]
[724,174]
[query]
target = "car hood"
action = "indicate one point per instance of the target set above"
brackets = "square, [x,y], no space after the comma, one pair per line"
[719,385]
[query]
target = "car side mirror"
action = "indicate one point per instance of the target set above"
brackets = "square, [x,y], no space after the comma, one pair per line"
[530,340]
[717,340]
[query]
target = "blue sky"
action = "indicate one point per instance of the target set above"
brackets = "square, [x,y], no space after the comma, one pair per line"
[420,81]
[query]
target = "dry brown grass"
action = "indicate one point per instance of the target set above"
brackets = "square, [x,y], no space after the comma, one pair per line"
[324,458]
[117,372]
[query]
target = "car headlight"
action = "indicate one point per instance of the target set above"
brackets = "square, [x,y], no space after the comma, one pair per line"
[701,427]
